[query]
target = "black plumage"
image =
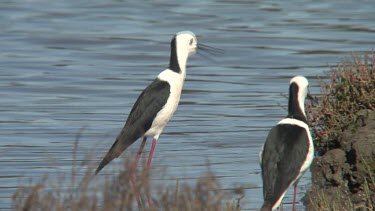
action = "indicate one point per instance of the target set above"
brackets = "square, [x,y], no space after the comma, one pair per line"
[294,110]
[140,119]
[283,155]
[173,61]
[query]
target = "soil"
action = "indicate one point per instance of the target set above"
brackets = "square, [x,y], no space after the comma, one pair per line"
[345,175]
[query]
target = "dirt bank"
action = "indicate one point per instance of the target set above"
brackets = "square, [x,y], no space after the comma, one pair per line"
[343,178]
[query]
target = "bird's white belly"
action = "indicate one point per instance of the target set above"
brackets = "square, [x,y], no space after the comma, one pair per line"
[165,114]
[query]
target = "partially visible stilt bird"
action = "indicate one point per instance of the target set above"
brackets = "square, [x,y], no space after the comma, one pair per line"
[288,150]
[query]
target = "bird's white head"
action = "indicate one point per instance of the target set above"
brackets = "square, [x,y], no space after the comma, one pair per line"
[183,45]
[299,84]
[186,41]
[302,83]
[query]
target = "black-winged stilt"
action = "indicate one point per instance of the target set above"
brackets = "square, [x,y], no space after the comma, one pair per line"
[288,150]
[157,103]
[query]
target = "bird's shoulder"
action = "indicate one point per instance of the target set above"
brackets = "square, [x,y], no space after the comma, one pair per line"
[284,140]
[284,151]
[152,99]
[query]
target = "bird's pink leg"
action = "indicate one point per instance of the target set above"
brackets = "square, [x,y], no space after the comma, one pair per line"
[133,178]
[149,199]
[151,153]
[139,152]
[294,195]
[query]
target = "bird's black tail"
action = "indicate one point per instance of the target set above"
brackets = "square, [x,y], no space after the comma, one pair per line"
[109,156]
[122,142]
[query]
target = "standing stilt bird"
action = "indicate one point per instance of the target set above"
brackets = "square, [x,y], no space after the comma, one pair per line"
[157,103]
[288,150]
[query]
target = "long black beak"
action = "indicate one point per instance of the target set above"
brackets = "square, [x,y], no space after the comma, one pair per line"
[210,50]
[309,96]
[312,98]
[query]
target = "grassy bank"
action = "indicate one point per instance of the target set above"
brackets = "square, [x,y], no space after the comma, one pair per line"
[349,90]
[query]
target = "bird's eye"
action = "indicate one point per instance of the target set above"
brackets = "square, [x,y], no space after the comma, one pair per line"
[191,41]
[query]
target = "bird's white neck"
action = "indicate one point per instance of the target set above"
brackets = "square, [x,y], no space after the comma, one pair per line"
[301,102]
[183,72]
[173,78]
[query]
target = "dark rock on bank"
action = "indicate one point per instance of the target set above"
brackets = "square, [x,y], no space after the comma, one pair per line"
[343,178]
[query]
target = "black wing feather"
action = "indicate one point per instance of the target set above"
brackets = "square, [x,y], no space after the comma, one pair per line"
[140,119]
[284,153]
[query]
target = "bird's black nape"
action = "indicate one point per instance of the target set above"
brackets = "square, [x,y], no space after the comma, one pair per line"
[294,109]
[173,62]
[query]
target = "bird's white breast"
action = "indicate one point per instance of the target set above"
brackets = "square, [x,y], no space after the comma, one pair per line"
[176,81]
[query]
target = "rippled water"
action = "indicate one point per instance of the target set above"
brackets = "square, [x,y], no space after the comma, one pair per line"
[65,65]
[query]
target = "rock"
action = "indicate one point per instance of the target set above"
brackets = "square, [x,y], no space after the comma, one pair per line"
[341,176]
[332,166]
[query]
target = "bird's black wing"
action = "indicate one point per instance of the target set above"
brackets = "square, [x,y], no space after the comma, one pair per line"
[284,153]
[145,109]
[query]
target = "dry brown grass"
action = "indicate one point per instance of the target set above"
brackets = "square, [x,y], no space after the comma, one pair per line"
[350,89]
[81,190]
